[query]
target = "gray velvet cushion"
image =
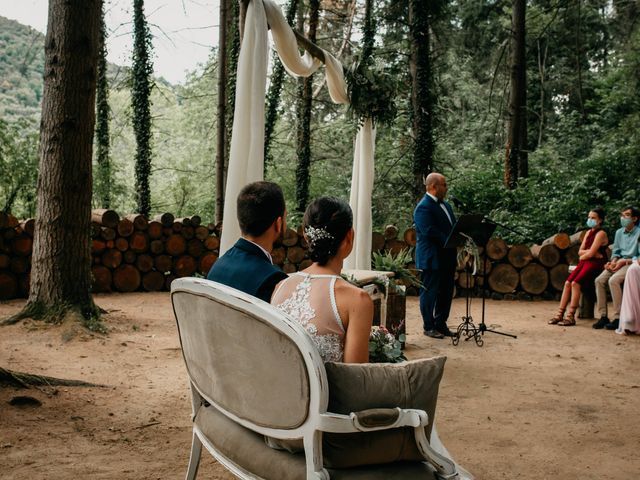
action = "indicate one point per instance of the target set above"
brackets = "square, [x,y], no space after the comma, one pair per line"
[247,449]
[242,363]
[356,387]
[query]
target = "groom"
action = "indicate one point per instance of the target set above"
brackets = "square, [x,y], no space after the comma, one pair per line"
[248,266]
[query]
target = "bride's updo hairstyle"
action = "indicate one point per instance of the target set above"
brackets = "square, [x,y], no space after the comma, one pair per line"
[325,224]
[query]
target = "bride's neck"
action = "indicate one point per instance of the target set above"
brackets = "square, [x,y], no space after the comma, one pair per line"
[333,267]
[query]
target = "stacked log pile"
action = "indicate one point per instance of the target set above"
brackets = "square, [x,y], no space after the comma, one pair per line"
[132,253]
[16,241]
[523,272]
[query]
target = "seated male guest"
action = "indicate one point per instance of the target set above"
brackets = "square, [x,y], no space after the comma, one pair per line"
[624,250]
[248,266]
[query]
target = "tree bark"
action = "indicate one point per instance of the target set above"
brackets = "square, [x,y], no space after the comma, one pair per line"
[497,249]
[422,98]
[534,279]
[61,274]
[142,70]
[303,149]
[221,129]
[102,122]
[503,278]
[516,161]
[519,255]
[548,255]
[275,88]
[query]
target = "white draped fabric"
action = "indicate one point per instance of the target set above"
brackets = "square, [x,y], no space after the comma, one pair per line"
[360,199]
[246,157]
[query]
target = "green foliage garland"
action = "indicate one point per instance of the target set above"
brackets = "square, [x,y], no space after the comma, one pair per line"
[142,72]
[372,91]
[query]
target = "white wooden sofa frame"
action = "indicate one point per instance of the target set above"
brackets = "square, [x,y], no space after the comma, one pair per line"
[319,420]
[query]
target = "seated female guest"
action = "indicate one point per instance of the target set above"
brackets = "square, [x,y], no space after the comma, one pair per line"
[336,314]
[630,309]
[593,256]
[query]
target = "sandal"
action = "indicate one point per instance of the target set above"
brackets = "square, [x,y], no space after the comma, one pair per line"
[570,321]
[558,318]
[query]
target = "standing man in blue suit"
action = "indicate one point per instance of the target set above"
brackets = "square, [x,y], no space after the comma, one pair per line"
[434,221]
[248,266]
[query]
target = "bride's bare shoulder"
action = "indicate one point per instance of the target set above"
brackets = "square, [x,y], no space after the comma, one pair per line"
[351,293]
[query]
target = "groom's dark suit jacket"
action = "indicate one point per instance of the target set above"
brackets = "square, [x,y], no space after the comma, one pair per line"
[246,268]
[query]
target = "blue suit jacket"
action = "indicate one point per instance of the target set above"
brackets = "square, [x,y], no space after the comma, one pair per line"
[245,267]
[432,229]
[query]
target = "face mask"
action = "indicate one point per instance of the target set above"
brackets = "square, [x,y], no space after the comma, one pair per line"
[624,221]
[591,222]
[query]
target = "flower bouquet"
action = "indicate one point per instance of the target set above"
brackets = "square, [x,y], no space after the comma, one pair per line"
[384,347]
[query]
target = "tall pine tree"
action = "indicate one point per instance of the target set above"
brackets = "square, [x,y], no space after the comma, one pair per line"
[303,144]
[61,262]
[103,183]
[422,97]
[516,159]
[142,71]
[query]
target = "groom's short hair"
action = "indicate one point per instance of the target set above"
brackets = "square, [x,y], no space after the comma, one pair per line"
[259,205]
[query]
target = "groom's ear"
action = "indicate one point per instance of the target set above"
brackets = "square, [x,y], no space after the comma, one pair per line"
[279,226]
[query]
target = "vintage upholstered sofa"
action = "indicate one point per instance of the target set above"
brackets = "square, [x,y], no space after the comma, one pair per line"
[255,373]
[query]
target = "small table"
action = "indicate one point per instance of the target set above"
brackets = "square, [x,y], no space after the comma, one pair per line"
[366,278]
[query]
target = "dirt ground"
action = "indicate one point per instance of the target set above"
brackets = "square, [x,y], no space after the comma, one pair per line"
[555,403]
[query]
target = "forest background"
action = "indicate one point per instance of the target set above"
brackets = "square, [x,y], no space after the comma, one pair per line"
[582,122]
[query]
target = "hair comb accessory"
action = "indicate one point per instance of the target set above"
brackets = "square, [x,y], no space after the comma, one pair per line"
[314,234]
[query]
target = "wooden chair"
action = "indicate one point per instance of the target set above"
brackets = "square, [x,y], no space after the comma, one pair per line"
[254,372]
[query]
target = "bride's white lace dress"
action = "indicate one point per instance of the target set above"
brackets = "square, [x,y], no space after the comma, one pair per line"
[310,300]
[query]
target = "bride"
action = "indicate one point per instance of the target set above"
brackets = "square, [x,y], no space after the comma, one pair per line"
[336,314]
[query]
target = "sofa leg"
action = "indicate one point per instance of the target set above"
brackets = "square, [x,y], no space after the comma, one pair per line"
[194,459]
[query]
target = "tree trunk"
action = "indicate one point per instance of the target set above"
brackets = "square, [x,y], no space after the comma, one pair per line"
[140,222]
[102,122]
[503,278]
[153,281]
[547,255]
[142,70]
[126,278]
[422,98]
[206,262]
[236,22]
[221,159]
[519,256]
[558,275]
[571,255]
[410,236]
[560,240]
[497,249]
[303,149]
[290,237]
[534,279]
[61,273]
[516,162]
[275,88]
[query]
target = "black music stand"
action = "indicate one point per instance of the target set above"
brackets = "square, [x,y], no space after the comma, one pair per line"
[479,228]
